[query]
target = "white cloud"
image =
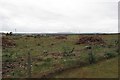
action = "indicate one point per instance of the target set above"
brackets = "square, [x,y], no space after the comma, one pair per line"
[59,15]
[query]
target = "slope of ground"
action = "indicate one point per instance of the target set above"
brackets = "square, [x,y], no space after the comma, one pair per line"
[106,69]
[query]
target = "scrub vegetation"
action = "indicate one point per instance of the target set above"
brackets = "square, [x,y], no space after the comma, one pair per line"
[90,55]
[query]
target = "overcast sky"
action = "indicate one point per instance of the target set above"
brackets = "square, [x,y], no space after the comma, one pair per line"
[59,15]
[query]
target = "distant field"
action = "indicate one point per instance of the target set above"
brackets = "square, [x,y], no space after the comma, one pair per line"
[105,69]
[51,53]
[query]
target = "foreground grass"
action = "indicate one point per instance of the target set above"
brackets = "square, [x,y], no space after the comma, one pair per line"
[106,69]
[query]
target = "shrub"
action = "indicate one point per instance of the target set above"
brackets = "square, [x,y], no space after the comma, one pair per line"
[109,55]
[10,33]
[67,50]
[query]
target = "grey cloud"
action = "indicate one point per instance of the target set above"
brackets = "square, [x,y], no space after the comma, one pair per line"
[58,16]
